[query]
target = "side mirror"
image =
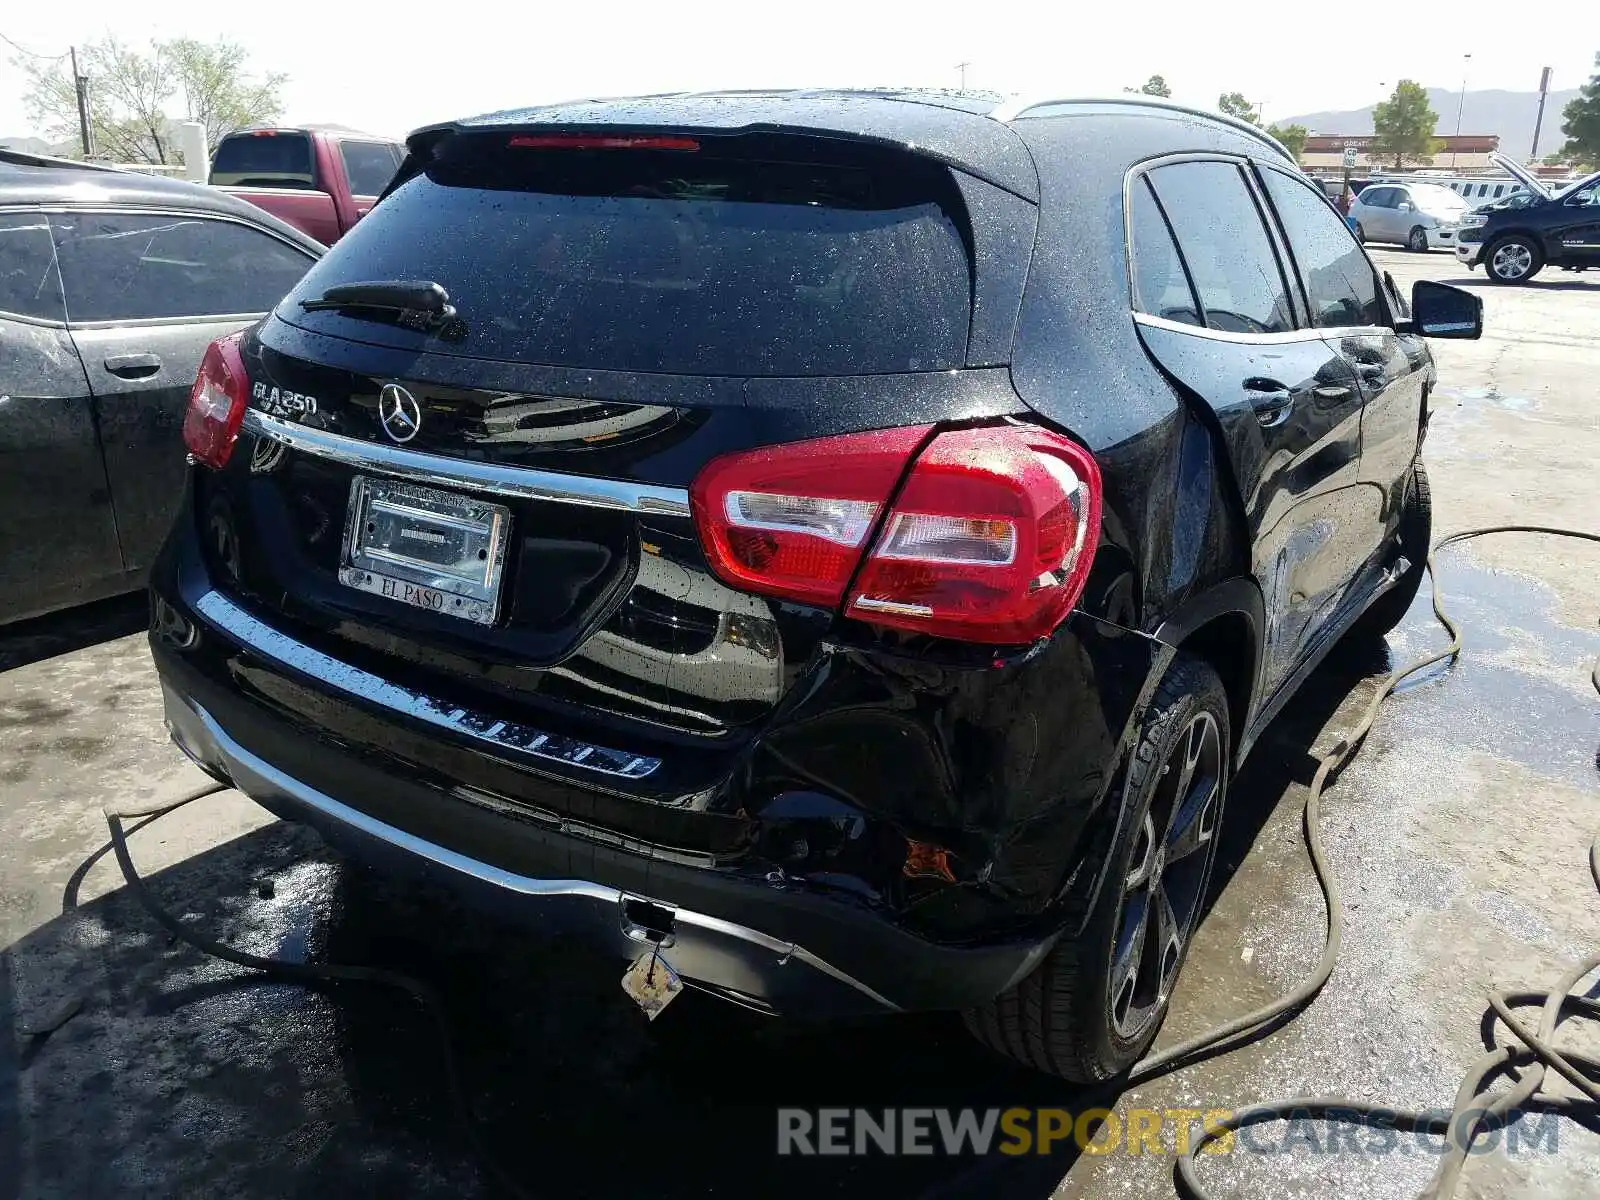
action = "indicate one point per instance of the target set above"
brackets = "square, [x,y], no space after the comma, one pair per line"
[1441,311]
[1407,206]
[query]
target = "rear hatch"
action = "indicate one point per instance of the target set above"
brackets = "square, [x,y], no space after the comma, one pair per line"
[493,510]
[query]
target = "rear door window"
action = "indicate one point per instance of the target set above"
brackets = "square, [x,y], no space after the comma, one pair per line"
[1160,286]
[264,158]
[146,266]
[368,166]
[759,255]
[29,283]
[1341,286]
[1230,257]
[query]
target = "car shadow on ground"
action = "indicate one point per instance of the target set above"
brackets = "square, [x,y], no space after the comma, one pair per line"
[1541,283]
[25,642]
[173,1074]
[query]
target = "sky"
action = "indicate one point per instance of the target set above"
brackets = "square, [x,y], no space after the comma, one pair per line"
[391,67]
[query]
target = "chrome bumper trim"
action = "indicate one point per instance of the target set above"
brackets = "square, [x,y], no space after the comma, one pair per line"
[261,638]
[709,949]
[520,483]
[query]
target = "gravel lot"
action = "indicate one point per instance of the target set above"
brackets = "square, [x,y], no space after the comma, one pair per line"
[1459,835]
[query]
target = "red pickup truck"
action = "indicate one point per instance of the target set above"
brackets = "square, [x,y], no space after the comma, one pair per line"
[321,178]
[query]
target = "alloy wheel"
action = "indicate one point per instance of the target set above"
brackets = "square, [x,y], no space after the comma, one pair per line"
[1166,879]
[1512,260]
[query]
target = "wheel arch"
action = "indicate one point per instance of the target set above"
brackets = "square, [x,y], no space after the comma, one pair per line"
[1224,627]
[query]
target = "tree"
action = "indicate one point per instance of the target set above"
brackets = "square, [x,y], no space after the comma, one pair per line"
[1235,105]
[1154,86]
[1403,125]
[1293,138]
[135,97]
[1581,123]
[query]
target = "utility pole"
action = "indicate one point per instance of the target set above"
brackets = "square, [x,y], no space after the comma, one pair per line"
[1538,122]
[962,67]
[1466,62]
[80,85]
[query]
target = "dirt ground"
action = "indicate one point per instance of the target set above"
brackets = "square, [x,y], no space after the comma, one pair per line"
[1459,836]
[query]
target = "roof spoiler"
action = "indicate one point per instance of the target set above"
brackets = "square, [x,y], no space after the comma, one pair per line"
[23,159]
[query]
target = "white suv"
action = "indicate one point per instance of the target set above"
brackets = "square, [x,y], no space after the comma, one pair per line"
[1418,216]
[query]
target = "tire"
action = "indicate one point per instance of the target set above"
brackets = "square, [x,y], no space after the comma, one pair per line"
[1417,240]
[1063,1018]
[1512,259]
[1415,536]
[1361,234]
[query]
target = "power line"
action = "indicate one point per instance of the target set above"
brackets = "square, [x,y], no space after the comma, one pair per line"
[34,53]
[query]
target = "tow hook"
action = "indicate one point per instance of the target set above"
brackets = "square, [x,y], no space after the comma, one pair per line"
[647,922]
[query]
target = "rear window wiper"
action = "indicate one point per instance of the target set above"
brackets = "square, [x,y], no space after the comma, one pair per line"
[418,304]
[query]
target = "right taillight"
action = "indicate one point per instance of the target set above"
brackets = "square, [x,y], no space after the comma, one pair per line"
[989,540]
[216,403]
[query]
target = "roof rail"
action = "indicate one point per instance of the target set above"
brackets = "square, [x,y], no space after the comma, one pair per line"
[1012,109]
[23,158]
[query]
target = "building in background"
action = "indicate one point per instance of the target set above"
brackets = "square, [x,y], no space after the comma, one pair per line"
[1461,152]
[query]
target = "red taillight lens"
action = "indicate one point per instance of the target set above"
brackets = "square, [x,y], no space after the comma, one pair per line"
[990,539]
[217,403]
[791,520]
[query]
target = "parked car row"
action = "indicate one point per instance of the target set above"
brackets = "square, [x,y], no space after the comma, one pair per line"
[112,285]
[832,547]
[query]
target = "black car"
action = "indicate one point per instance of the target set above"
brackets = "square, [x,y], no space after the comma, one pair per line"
[1514,242]
[835,546]
[112,285]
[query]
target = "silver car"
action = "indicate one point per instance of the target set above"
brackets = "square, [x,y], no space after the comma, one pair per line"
[1418,216]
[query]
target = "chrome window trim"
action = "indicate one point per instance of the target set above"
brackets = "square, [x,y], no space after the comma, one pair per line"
[1259,339]
[520,483]
[506,736]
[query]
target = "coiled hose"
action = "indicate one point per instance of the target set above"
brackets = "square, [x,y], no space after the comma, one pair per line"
[1527,1060]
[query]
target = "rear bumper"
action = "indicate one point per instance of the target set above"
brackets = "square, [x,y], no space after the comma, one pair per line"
[764,943]
[735,960]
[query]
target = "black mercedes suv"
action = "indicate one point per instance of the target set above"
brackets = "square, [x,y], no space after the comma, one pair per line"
[835,546]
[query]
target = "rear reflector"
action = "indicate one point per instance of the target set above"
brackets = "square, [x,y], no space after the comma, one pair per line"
[990,538]
[217,403]
[584,141]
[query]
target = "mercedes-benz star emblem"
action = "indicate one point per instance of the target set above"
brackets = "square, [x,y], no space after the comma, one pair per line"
[400,413]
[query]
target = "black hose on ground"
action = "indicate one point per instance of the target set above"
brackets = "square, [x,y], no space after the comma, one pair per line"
[1475,1107]
[312,975]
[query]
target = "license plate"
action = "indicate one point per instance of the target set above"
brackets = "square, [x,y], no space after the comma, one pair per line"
[434,550]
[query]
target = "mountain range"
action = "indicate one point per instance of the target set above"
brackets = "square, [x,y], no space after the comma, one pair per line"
[1509,114]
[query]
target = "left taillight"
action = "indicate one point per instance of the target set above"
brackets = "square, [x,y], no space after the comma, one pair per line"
[217,403]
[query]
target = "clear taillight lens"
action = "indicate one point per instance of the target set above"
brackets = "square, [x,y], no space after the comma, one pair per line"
[217,403]
[990,538]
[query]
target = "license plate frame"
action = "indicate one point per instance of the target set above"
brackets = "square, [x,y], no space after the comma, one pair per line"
[439,551]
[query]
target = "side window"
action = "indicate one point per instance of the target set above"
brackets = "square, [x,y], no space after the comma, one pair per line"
[29,283]
[1220,234]
[1160,287]
[368,165]
[1378,197]
[138,266]
[1341,289]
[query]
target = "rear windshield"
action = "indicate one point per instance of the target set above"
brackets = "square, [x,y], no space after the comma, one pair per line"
[742,258]
[264,158]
